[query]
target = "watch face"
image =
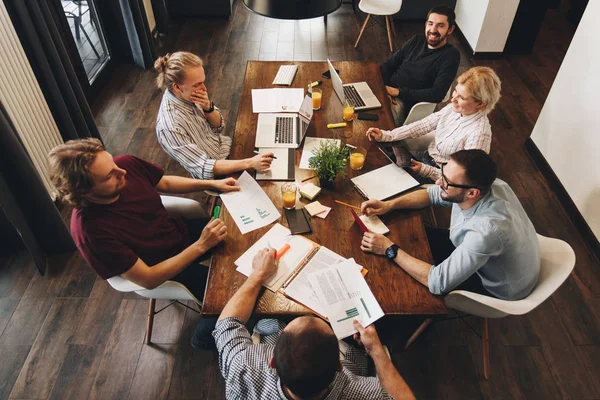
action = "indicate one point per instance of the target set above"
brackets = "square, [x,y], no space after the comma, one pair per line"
[390,252]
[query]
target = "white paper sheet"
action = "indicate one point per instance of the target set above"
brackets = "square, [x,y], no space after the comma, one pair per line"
[345,297]
[310,144]
[250,207]
[276,100]
[280,167]
[384,182]
[275,238]
[300,288]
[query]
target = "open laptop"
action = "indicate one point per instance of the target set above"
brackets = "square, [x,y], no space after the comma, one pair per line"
[359,93]
[284,129]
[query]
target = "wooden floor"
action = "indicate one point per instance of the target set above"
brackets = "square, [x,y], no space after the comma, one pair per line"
[70,336]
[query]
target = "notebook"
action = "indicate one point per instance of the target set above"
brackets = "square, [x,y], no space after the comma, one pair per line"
[383,183]
[283,167]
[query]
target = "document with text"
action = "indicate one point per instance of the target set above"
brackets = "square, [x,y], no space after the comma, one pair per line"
[345,296]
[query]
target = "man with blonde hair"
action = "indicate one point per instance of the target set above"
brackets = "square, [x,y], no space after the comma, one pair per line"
[461,125]
[189,126]
[121,227]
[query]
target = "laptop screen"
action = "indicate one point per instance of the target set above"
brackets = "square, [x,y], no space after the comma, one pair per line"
[305,114]
[337,82]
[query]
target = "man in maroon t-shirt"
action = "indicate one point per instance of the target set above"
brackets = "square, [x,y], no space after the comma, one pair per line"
[120,225]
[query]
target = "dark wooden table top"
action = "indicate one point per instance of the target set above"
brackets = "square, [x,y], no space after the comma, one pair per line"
[396,291]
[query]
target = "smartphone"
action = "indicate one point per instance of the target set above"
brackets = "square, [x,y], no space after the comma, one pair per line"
[367,116]
[327,74]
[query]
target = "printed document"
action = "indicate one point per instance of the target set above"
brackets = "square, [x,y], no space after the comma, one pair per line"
[277,100]
[250,207]
[345,297]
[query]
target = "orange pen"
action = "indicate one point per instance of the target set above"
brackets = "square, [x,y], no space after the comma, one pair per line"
[279,253]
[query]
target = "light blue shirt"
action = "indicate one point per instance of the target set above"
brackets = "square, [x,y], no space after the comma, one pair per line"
[494,239]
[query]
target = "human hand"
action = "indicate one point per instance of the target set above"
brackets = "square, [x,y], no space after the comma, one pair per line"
[226,185]
[375,243]
[374,207]
[200,97]
[264,264]
[415,166]
[392,91]
[261,162]
[212,234]
[374,133]
[368,338]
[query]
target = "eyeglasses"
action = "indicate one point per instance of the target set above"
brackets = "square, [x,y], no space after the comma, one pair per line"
[446,184]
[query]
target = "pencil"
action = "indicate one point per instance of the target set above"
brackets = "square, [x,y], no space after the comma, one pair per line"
[310,177]
[347,205]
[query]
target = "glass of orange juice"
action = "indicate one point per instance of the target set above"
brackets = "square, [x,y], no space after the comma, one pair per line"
[357,158]
[288,194]
[348,111]
[317,94]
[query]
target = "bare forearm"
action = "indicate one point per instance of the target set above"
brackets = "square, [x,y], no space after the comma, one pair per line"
[225,167]
[416,268]
[416,199]
[390,378]
[157,274]
[243,301]
[179,184]
[214,118]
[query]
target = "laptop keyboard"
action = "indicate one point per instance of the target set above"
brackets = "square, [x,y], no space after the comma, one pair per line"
[352,95]
[284,130]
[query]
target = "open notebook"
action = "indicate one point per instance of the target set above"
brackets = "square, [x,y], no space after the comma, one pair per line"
[304,258]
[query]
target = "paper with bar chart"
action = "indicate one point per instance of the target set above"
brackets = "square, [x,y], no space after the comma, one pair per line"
[345,296]
[250,208]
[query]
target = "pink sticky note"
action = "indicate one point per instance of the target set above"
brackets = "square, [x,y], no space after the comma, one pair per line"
[324,213]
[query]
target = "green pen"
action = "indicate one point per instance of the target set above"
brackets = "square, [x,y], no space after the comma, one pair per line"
[216,212]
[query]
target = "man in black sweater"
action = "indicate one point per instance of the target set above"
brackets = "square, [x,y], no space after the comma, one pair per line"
[424,68]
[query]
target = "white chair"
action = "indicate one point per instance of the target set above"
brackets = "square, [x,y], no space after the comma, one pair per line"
[169,290]
[557,262]
[386,8]
[416,113]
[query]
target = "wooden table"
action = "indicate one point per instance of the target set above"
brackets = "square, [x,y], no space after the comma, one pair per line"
[396,291]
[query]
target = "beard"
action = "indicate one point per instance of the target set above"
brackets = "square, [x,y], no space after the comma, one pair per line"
[457,198]
[434,39]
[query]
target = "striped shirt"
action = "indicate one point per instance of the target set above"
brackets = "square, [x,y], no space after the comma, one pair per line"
[186,135]
[245,367]
[453,132]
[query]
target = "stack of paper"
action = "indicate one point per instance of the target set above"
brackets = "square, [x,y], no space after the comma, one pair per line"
[345,296]
[315,208]
[374,224]
[309,190]
[311,144]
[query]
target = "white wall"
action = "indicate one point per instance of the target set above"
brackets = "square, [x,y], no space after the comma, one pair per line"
[486,23]
[567,131]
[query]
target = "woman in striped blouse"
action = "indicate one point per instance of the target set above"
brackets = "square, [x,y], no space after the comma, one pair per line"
[189,126]
[461,125]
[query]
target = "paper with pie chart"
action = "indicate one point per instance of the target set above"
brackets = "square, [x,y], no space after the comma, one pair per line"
[250,207]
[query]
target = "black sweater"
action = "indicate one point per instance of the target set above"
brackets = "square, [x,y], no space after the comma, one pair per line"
[420,73]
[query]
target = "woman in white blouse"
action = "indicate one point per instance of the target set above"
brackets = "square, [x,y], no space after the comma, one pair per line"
[461,125]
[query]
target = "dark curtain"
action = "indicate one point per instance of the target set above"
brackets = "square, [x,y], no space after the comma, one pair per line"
[37,28]
[24,201]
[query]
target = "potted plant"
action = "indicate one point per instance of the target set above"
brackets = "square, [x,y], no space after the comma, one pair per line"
[328,161]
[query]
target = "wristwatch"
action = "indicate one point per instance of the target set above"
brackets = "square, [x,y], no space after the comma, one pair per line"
[391,252]
[211,109]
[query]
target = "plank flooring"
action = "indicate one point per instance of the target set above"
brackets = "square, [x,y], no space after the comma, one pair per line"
[69,335]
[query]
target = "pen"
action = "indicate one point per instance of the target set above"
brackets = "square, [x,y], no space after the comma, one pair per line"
[216,212]
[347,205]
[279,253]
[273,157]
[309,178]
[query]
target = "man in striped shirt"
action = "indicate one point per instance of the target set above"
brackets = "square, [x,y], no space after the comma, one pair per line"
[300,360]
[189,127]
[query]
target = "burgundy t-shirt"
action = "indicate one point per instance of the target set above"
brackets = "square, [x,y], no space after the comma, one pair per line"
[111,237]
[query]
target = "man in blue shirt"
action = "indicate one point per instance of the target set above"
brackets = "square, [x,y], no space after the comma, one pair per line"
[495,247]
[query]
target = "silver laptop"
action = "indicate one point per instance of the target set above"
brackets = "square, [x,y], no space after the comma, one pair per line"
[359,93]
[284,129]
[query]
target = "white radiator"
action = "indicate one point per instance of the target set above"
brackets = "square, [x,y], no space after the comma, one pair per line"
[23,100]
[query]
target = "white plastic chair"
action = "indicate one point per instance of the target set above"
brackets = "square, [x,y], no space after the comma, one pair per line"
[557,262]
[169,290]
[416,113]
[386,8]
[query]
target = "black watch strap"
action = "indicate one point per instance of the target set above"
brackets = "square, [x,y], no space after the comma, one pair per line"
[211,109]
